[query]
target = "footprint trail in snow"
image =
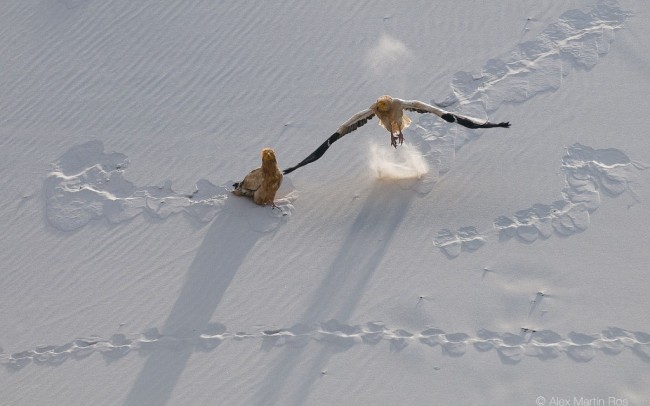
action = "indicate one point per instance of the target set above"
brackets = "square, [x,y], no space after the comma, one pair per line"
[588,174]
[89,184]
[575,42]
[510,347]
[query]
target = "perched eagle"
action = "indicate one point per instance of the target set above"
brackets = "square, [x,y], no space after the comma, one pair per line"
[390,112]
[262,183]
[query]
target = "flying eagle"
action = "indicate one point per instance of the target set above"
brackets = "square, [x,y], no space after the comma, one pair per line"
[262,183]
[390,112]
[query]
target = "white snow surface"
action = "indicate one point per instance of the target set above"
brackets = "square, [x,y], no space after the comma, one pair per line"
[466,267]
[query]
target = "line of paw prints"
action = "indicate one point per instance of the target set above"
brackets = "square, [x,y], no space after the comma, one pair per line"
[511,347]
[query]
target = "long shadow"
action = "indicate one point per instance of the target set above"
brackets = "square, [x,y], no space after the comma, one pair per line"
[222,252]
[338,294]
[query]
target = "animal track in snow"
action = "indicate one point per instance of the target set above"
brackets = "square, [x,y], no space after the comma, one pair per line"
[576,41]
[587,172]
[465,239]
[88,184]
[511,348]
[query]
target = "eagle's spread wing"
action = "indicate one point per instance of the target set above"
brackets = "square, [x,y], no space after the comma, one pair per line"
[465,121]
[355,122]
[352,124]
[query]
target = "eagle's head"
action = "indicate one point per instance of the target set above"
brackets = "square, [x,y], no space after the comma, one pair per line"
[268,155]
[384,102]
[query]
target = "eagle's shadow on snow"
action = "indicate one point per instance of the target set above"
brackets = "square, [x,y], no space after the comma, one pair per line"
[222,252]
[335,299]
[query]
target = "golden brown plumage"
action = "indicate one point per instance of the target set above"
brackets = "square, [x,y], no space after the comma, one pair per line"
[262,183]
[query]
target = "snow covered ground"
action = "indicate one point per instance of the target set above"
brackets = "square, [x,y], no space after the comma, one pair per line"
[498,266]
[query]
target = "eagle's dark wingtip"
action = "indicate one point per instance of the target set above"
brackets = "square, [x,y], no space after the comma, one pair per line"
[505,124]
[314,156]
[448,117]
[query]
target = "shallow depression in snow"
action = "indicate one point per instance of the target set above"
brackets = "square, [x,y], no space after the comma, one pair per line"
[88,184]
